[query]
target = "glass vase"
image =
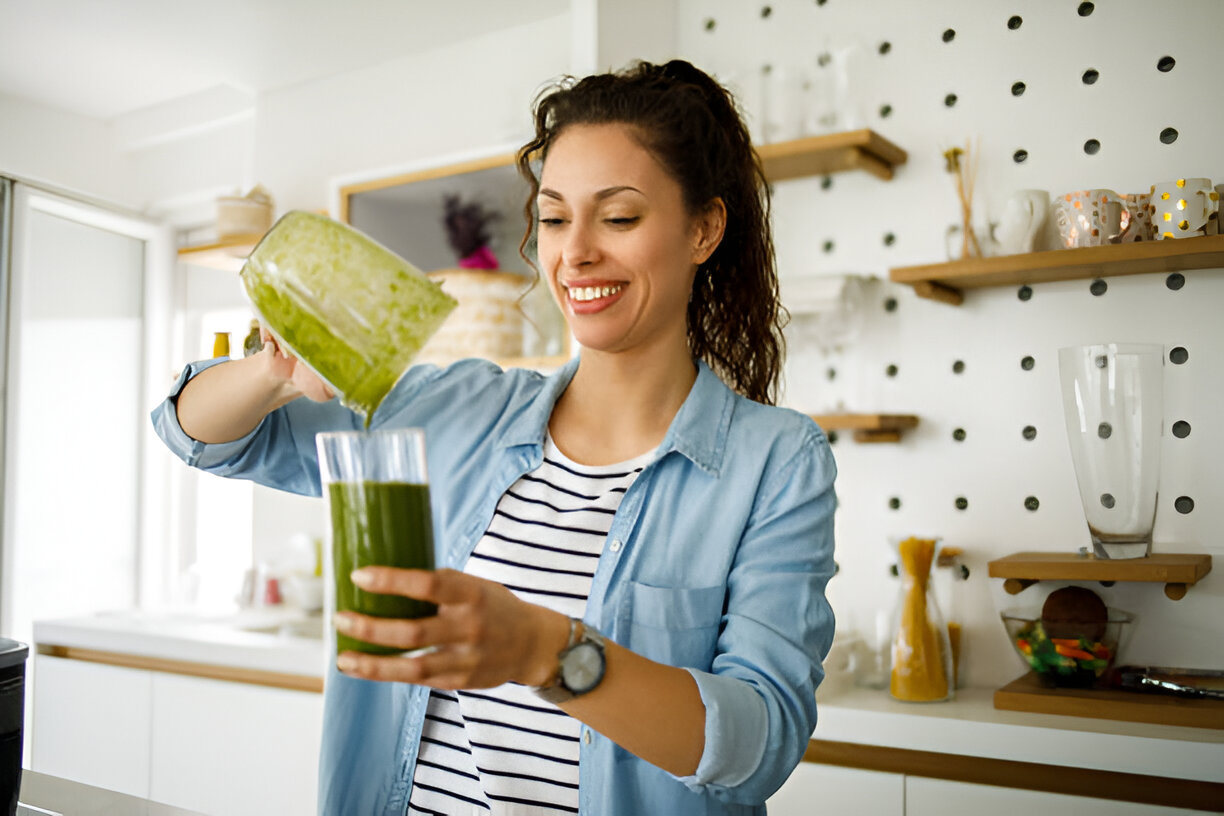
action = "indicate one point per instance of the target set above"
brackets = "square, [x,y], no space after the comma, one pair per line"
[921,649]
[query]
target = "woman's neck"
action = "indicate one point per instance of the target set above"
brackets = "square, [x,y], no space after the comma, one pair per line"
[619,406]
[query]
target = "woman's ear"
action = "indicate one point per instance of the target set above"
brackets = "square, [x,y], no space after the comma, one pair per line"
[708,228]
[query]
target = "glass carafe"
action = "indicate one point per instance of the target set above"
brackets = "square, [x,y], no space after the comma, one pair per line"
[921,649]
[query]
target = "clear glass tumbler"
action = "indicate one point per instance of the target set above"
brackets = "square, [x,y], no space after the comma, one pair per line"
[1113,405]
[378,499]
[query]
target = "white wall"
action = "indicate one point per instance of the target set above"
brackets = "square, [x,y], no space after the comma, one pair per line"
[63,150]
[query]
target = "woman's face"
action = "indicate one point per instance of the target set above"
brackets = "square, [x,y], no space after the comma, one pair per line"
[616,243]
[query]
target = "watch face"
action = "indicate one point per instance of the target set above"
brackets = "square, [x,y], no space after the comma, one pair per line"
[582,668]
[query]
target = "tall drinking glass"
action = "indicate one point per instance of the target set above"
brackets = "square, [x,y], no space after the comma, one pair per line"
[1113,404]
[378,498]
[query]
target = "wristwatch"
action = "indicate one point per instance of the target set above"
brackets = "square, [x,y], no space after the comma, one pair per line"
[581,665]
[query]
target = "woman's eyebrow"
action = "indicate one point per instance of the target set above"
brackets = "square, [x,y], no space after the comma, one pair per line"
[607,192]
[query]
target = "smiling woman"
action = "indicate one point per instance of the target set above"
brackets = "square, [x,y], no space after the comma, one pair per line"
[631,605]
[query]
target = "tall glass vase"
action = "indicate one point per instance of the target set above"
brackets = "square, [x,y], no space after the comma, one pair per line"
[1113,404]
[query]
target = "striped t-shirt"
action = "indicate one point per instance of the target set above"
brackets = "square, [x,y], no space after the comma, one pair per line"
[504,750]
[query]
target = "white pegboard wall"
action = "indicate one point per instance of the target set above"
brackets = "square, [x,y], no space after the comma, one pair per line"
[855,223]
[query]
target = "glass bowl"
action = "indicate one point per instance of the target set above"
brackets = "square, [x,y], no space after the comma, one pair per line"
[1076,660]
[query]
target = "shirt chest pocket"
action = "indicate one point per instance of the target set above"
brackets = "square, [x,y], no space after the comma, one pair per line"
[675,625]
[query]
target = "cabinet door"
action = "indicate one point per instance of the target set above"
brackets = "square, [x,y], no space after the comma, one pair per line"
[234,749]
[939,797]
[91,724]
[820,789]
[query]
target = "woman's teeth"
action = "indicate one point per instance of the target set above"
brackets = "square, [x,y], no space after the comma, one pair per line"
[585,293]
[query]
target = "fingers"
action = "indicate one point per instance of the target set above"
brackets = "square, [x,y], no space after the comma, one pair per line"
[442,586]
[394,632]
[442,669]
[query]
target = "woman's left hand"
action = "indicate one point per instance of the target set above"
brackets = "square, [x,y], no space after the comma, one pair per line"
[483,635]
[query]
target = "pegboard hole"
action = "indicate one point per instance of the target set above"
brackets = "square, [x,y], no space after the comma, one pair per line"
[1184,505]
[890,304]
[891,370]
[1178,355]
[1090,76]
[962,503]
[1027,363]
[1175,281]
[959,434]
[894,503]
[831,373]
[1085,9]
[1031,503]
[885,47]
[1018,88]
[1098,287]
[828,246]
[1104,430]
[950,100]
[1014,22]
[889,239]
[832,437]
[885,111]
[826,182]
[823,59]
[1092,147]
[1020,156]
[1168,135]
[1181,429]
[1029,433]
[949,35]
[766,11]
[1025,293]
[1108,501]
[958,367]
[1165,64]
[711,24]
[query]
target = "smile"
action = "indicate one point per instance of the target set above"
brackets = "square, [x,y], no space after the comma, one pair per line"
[582,294]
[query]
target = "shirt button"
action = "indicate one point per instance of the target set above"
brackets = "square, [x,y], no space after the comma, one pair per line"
[616,545]
[586,736]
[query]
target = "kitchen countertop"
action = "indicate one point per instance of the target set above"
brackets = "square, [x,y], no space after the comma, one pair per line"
[62,797]
[269,640]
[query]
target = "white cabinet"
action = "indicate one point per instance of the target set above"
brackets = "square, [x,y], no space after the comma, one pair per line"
[820,789]
[233,748]
[938,797]
[211,746]
[91,724]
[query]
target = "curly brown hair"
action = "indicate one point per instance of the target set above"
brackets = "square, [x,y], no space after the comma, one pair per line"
[691,124]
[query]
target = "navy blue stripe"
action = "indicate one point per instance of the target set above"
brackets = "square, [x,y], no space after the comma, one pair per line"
[452,795]
[436,718]
[530,778]
[536,546]
[532,803]
[529,478]
[561,509]
[446,744]
[523,565]
[445,769]
[582,475]
[523,729]
[510,749]
[582,530]
[538,709]
[577,596]
[418,809]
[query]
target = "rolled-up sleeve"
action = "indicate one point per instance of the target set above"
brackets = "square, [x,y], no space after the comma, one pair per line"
[760,693]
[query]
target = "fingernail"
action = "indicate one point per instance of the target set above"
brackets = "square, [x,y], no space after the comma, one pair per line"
[343,622]
[346,663]
[361,577]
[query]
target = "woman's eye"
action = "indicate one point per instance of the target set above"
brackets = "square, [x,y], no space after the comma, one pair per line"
[552,222]
[622,222]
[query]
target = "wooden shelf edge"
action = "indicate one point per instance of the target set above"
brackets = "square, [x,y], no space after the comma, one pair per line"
[1177,571]
[1203,252]
[1027,694]
[862,149]
[868,428]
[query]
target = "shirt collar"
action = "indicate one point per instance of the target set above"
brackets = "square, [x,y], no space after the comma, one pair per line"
[698,431]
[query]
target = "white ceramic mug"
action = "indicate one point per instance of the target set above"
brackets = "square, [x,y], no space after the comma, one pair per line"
[1090,218]
[1024,216]
[1184,208]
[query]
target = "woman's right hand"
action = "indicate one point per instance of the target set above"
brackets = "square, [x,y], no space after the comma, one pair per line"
[282,365]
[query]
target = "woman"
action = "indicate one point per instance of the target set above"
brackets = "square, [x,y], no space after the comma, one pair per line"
[635,615]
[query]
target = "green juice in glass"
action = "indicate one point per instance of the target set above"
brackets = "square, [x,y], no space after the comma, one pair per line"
[378,524]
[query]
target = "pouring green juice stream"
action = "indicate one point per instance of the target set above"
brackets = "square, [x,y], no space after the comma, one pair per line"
[350,309]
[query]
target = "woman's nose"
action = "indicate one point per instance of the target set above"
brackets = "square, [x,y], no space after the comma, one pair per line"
[580,247]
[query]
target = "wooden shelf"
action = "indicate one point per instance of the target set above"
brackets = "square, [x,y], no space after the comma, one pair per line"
[868,427]
[1028,694]
[227,255]
[1176,571]
[834,153]
[946,281]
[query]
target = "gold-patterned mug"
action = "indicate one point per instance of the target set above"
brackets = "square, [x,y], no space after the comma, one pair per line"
[1139,208]
[1184,208]
[1090,218]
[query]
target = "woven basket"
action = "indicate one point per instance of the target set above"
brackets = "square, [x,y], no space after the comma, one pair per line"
[488,321]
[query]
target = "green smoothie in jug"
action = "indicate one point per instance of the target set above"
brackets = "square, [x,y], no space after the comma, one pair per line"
[378,524]
[352,310]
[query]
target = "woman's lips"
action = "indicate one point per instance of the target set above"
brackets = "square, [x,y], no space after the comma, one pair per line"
[593,297]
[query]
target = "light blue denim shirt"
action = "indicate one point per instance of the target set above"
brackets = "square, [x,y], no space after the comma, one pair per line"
[717,562]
